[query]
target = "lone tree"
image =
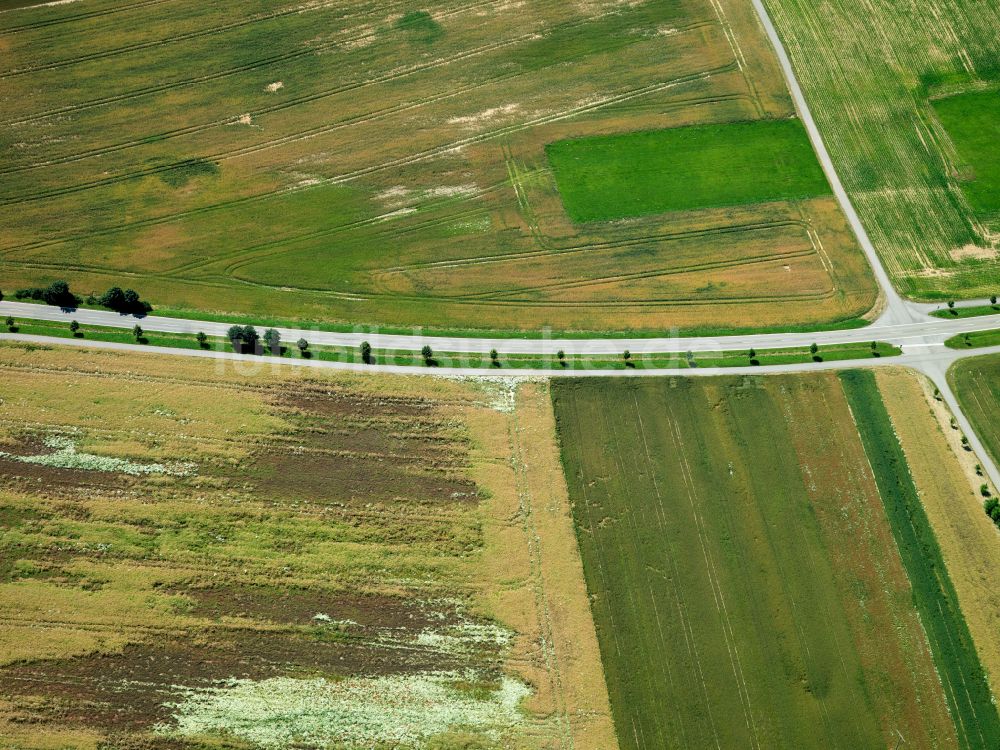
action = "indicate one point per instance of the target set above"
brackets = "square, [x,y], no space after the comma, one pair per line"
[951,306]
[495,357]
[137,332]
[303,345]
[427,353]
[366,352]
[993,299]
[74,327]
[201,338]
[752,354]
[814,348]
[10,322]
[874,347]
[626,355]
[561,356]
[273,340]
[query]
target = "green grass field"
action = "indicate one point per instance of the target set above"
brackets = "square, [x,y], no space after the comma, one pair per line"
[383,164]
[974,339]
[972,120]
[874,75]
[682,169]
[744,582]
[976,382]
[970,701]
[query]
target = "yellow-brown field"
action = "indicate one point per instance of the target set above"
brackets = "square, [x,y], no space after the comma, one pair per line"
[356,162]
[945,477]
[178,541]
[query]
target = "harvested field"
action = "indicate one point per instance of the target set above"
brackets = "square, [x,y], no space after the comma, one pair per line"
[948,487]
[380,164]
[180,541]
[879,90]
[744,580]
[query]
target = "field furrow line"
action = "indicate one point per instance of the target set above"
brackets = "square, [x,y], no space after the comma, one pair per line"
[78,17]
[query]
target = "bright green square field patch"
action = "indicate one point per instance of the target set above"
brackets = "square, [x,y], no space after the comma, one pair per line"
[681,169]
[973,122]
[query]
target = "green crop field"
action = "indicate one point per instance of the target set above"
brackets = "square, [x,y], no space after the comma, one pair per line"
[873,74]
[972,120]
[744,581]
[682,169]
[976,382]
[969,698]
[384,164]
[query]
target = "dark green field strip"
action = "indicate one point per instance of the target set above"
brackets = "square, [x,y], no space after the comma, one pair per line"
[681,169]
[974,339]
[972,120]
[967,312]
[713,593]
[966,689]
[976,382]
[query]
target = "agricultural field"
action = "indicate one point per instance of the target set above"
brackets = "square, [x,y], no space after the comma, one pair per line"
[949,489]
[385,164]
[902,100]
[181,542]
[681,169]
[976,382]
[743,566]
[972,121]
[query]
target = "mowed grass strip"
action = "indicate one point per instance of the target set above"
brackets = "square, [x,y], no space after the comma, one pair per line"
[972,120]
[966,688]
[736,606]
[682,169]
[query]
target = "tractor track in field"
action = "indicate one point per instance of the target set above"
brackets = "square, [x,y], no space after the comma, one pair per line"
[409,159]
[78,17]
[254,65]
[278,107]
[365,119]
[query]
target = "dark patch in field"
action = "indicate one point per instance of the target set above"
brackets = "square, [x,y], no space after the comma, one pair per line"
[354,447]
[295,606]
[50,481]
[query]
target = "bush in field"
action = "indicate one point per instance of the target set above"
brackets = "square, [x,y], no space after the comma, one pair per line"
[428,354]
[57,293]
[992,508]
[74,327]
[303,346]
[366,352]
[201,338]
[137,332]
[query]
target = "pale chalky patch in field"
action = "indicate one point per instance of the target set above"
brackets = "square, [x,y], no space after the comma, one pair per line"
[398,711]
[65,456]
